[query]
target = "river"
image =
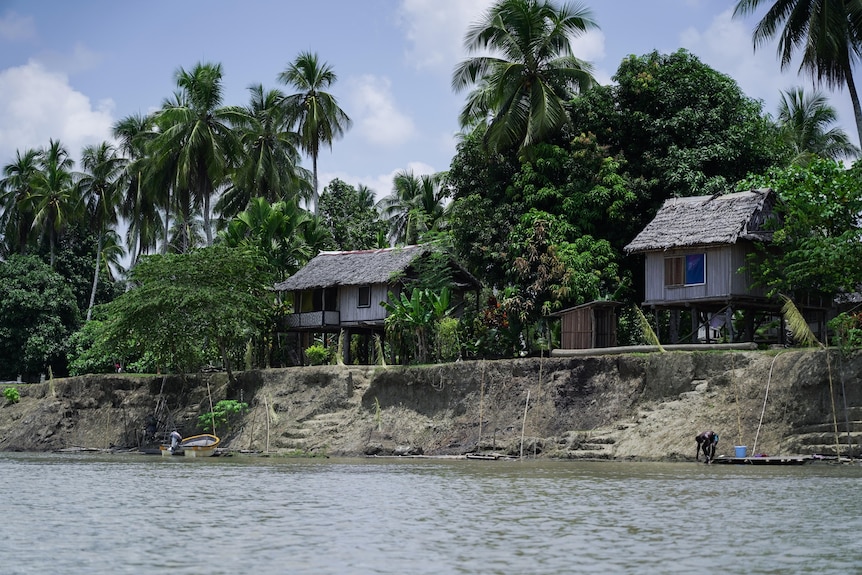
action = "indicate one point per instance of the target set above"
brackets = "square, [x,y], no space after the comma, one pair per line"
[110,514]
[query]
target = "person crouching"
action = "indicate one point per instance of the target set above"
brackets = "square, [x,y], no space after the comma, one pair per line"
[706,442]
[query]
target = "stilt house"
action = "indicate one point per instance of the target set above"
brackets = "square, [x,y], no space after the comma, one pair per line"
[341,291]
[696,252]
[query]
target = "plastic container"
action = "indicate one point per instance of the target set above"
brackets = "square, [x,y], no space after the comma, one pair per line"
[741,450]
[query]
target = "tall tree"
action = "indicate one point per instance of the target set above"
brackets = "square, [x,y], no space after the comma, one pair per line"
[277,231]
[55,195]
[140,205]
[350,216]
[415,206]
[16,201]
[197,128]
[38,311]
[805,121]
[215,295]
[100,187]
[270,165]
[523,85]
[314,111]
[828,33]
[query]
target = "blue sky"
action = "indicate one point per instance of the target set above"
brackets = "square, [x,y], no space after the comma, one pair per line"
[69,70]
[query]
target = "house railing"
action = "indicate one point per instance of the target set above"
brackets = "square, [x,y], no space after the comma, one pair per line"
[313,319]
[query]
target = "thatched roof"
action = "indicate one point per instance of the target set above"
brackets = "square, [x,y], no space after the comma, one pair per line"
[363,267]
[707,220]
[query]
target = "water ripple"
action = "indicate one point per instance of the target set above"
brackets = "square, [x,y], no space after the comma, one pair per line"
[107,515]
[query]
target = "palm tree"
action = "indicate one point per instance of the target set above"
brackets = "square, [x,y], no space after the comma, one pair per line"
[415,206]
[55,195]
[314,111]
[140,205]
[100,188]
[16,201]
[804,120]
[827,32]
[269,167]
[196,128]
[282,232]
[521,88]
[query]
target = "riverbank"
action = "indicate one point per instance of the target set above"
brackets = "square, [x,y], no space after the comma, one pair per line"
[644,406]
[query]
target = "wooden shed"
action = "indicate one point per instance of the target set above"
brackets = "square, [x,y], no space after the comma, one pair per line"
[589,326]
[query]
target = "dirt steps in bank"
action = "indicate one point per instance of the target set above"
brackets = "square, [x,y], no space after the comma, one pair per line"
[819,438]
[591,445]
[312,434]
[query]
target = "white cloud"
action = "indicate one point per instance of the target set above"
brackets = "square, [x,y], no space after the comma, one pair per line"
[377,119]
[435,30]
[726,46]
[14,27]
[37,105]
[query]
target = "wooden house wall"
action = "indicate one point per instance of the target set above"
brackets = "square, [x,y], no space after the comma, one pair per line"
[587,328]
[348,304]
[723,278]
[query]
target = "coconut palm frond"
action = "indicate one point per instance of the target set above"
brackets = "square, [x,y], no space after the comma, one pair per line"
[796,323]
[648,331]
[339,357]
[378,350]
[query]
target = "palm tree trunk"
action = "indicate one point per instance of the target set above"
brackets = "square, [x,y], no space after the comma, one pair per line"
[167,233]
[314,196]
[95,276]
[854,97]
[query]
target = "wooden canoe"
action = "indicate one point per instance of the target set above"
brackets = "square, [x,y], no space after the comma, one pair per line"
[203,445]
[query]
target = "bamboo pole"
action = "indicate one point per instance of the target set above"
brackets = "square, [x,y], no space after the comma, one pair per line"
[524,423]
[481,399]
[736,393]
[266,406]
[212,409]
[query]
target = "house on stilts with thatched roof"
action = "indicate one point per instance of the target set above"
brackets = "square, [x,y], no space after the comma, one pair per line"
[340,292]
[696,256]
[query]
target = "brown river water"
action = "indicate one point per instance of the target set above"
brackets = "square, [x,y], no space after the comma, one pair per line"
[98,514]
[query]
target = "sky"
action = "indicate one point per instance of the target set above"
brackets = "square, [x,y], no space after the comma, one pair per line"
[70,70]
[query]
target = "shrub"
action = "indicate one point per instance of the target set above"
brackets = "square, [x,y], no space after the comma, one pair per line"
[12,395]
[317,354]
[225,413]
[847,329]
[447,340]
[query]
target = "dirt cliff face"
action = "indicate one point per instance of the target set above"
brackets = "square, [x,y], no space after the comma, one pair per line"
[641,406]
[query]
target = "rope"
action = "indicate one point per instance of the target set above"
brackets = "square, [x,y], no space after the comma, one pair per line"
[765,397]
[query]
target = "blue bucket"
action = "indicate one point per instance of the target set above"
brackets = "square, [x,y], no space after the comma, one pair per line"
[740,450]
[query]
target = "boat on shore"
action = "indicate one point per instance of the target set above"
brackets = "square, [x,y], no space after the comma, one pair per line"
[203,445]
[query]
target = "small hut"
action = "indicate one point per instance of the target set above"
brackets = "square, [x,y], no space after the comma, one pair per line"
[589,326]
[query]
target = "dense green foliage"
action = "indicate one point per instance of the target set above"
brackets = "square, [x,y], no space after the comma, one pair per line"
[37,314]
[817,243]
[187,309]
[679,127]
[351,218]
